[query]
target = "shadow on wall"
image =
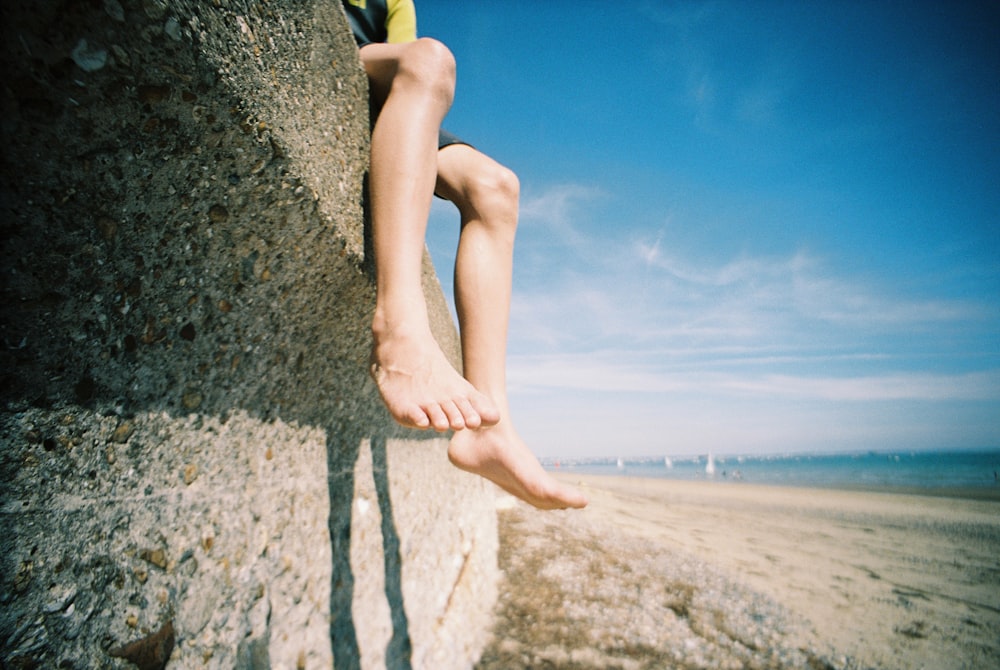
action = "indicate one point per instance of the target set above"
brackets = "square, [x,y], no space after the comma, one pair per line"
[342,629]
[183,225]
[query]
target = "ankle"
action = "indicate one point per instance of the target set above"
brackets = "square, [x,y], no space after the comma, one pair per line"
[380,326]
[399,308]
[386,329]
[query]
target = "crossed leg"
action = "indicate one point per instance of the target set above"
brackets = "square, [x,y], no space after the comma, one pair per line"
[486,194]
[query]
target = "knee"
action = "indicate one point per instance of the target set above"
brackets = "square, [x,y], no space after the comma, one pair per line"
[429,65]
[494,192]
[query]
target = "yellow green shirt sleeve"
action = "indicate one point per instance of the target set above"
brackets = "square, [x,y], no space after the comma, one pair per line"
[401,21]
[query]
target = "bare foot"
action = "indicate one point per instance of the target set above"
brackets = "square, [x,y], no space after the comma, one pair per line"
[420,387]
[498,454]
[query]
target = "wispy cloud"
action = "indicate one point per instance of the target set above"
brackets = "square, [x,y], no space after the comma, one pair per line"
[555,204]
[899,386]
[649,290]
[554,212]
[639,316]
[617,372]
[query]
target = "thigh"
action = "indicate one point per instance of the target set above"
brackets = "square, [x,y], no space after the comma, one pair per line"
[381,63]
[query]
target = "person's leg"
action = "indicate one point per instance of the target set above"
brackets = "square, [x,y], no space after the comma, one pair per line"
[486,195]
[413,83]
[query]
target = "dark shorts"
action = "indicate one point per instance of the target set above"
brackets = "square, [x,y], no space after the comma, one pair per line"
[446,139]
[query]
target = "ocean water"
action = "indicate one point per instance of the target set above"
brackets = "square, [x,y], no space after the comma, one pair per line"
[929,470]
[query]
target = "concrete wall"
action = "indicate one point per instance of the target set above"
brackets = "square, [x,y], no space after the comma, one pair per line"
[195,465]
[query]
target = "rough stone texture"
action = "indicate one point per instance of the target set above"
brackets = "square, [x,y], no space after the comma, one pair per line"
[195,466]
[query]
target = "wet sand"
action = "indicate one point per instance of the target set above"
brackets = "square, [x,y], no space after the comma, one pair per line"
[658,573]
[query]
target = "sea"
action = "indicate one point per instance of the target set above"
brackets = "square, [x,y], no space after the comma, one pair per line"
[930,471]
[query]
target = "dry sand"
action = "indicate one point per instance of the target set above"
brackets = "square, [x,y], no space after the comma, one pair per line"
[659,574]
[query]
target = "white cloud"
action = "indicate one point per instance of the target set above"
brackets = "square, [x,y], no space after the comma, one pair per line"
[625,372]
[764,296]
[554,212]
[649,253]
[898,386]
[555,205]
[789,311]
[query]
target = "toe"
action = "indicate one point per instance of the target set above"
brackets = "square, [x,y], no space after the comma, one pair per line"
[456,421]
[414,417]
[469,414]
[439,421]
[488,413]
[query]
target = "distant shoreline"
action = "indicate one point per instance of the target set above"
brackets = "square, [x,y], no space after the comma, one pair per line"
[965,474]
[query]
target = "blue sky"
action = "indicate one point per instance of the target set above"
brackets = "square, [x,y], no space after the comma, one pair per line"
[746,227]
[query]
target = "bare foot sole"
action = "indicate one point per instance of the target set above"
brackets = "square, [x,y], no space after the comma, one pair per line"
[498,454]
[422,390]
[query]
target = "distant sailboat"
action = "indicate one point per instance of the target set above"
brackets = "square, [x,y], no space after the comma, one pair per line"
[621,464]
[667,462]
[710,466]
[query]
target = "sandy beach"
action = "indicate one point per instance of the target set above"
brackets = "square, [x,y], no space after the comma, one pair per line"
[669,574]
